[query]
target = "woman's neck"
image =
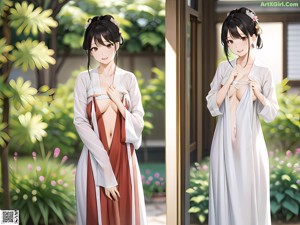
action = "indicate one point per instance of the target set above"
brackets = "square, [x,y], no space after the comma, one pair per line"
[244,60]
[107,69]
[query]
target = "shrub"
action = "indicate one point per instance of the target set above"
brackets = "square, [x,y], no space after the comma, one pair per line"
[284,131]
[199,181]
[43,189]
[285,185]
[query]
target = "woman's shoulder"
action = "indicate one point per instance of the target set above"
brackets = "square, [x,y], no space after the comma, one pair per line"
[125,75]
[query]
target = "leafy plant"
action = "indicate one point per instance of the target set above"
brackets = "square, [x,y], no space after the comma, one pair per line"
[26,53]
[199,190]
[284,131]
[43,190]
[285,185]
[153,95]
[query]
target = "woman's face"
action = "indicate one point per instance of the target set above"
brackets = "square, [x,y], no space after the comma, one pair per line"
[238,46]
[103,54]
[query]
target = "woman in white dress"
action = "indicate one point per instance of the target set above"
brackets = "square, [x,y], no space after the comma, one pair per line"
[242,90]
[108,116]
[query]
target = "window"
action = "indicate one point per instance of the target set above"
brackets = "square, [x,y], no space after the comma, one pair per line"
[293,51]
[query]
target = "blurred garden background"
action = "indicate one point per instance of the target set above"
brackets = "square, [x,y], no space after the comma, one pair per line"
[40,57]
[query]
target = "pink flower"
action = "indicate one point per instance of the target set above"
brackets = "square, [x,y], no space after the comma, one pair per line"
[148,171]
[29,167]
[289,153]
[60,182]
[205,167]
[157,183]
[56,152]
[53,183]
[65,158]
[297,151]
[143,177]
[156,175]
[15,156]
[298,169]
[161,178]
[42,178]
[150,178]
[65,185]
[34,155]
[148,182]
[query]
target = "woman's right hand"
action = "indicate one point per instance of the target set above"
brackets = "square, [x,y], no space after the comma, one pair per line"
[112,193]
[233,74]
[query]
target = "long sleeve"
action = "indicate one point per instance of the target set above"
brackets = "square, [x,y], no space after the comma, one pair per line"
[134,122]
[211,98]
[104,173]
[268,111]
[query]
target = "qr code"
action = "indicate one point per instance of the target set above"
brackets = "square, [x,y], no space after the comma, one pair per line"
[9,217]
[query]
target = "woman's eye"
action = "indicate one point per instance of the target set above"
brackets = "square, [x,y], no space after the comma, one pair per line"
[244,38]
[93,49]
[109,45]
[229,42]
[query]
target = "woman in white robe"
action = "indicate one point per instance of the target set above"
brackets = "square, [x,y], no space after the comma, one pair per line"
[108,116]
[242,90]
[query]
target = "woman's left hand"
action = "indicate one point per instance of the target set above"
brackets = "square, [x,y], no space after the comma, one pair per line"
[114,95]
[255,88]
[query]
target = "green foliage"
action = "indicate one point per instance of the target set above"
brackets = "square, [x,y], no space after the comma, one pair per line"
[43,190]
[32,54]
[285,185]
[153,95]
[284,131]
[3,135]
[4,49]
[24,18]
[199,190]
[61,130]
[142,23]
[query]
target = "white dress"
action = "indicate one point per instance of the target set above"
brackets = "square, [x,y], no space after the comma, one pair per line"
[239,166]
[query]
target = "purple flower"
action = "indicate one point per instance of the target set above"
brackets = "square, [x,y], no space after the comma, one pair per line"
[148,182]
[56,152]
[156,175]
[42,178]
[143,177]
[34,155]
[161,178]
[289,153]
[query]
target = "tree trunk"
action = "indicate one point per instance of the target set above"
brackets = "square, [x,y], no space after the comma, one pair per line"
[52,68]
[4,157]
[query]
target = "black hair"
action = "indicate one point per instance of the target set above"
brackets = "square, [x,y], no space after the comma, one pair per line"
[245,19]
[98,27]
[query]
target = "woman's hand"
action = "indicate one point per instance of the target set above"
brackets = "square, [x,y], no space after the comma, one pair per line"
[112,193]
[255,88]
[114,95]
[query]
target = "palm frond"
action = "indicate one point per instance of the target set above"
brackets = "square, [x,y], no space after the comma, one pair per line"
[24,18]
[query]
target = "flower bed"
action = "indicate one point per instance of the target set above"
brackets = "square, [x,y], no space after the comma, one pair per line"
[154,184]
[43,189]
[284,187]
